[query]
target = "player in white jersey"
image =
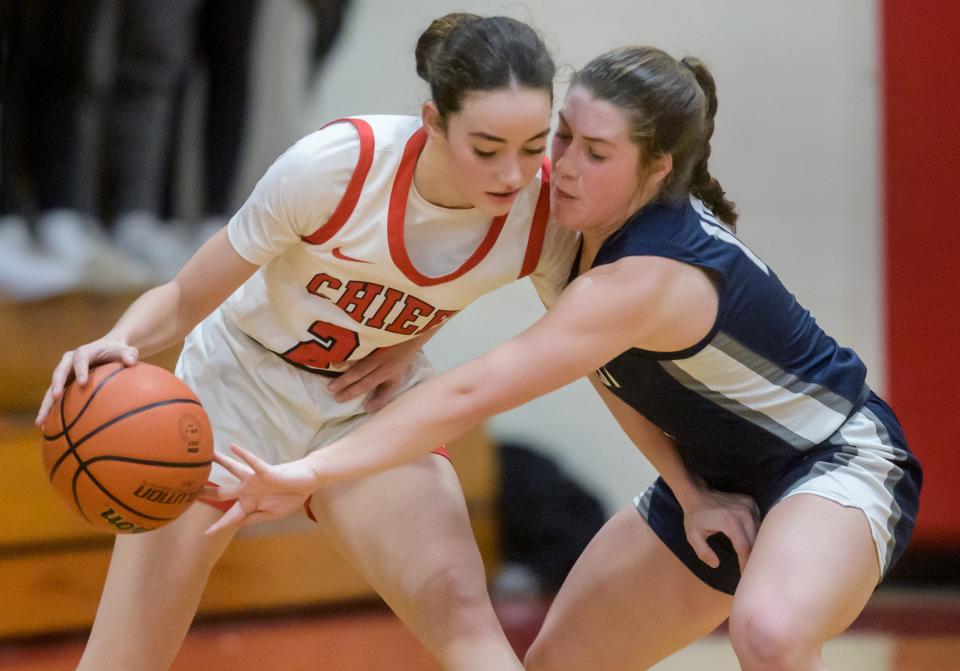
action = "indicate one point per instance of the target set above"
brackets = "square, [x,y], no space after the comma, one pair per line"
[786,488]
[347,271]
[355,246]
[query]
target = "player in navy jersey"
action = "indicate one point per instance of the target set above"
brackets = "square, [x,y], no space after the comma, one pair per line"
[308,311]
[786,487]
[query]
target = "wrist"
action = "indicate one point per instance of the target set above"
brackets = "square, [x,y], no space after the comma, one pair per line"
[687,488]
[117,336]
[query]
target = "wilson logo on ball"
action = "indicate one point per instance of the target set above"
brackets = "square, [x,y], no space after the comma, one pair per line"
[116,519]
[166,495]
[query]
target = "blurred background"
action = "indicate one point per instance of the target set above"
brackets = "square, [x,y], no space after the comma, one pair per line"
[131,130]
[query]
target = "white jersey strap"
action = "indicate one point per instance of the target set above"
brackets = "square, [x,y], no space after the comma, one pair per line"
[397,212]
[538,227]
[354,187]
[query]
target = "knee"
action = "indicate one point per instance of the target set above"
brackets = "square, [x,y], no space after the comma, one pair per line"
[765,637]
[458,601]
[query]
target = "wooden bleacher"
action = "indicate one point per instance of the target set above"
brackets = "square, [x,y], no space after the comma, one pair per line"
[52,565]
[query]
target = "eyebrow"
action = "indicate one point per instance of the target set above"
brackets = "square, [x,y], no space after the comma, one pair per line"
[588,138]
[494,138]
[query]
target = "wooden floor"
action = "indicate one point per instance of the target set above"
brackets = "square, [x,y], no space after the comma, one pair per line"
[900,631]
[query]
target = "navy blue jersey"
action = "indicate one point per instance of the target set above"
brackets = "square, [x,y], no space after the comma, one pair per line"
[765,404]
[766,384]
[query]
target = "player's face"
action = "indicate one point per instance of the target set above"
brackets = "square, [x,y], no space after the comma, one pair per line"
[597,181]
[496,143]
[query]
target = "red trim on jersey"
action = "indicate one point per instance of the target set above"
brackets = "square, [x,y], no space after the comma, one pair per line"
[220,505]
[398,209]
[354,187]
[538,227]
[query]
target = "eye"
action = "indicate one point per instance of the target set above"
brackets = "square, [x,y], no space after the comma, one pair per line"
[534,151]
[483,154]
[595,156]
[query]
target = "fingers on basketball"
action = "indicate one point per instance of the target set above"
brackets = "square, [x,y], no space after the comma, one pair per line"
[131,450]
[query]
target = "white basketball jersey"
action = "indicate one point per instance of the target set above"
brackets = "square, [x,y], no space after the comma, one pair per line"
[353,258]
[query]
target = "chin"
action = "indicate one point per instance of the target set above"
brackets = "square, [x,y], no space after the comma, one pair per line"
[492,209]
[566,217]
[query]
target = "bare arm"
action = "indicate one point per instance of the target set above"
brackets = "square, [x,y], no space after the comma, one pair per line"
[642,301]
[159,318]
[164,315]
[655,445]
[706,511]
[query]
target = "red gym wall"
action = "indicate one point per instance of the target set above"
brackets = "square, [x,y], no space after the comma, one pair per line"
[921,78]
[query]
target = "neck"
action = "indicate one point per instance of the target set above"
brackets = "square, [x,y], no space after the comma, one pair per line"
[431,177]
[595,236]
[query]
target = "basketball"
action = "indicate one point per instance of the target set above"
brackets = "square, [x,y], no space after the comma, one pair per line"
[130,451]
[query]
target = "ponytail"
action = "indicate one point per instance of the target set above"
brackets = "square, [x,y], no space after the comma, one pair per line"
[702,184]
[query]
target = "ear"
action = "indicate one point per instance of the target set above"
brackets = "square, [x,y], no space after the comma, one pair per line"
[660,168]
[432,121]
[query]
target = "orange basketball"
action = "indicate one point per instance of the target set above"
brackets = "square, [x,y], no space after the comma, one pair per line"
[130,451]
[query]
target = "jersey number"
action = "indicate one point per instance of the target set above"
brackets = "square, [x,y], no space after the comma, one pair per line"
[333,345]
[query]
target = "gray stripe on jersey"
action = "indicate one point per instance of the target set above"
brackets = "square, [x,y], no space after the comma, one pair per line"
[868,460]
[642,502]
[776,375]
[737,408]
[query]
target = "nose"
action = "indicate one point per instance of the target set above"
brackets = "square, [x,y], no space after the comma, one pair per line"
[510,174]
[563,165]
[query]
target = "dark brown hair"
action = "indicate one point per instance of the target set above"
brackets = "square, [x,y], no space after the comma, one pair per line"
[460,53]
[671,105]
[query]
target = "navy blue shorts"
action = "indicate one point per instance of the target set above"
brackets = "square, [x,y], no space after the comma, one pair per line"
[865,464]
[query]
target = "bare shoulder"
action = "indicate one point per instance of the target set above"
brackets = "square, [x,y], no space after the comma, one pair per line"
[669,305]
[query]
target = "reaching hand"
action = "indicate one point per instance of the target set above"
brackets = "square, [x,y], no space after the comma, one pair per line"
[381,372]
[77,363]
[710,511]
[265,492]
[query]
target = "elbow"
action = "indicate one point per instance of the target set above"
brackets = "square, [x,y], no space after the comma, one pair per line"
[466,405]
[471,401]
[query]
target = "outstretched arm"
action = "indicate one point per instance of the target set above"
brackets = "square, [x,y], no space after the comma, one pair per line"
[642,301]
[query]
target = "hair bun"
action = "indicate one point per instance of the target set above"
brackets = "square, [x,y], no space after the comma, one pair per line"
[434,36]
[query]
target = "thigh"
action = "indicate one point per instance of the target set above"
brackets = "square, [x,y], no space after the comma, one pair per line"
[627,603]
[153,586]
[868,465]
[814,565]
[406,530]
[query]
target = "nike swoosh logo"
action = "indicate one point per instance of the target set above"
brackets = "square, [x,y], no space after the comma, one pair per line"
[337,254]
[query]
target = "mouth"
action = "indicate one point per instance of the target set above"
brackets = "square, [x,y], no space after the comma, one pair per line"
[503,196]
